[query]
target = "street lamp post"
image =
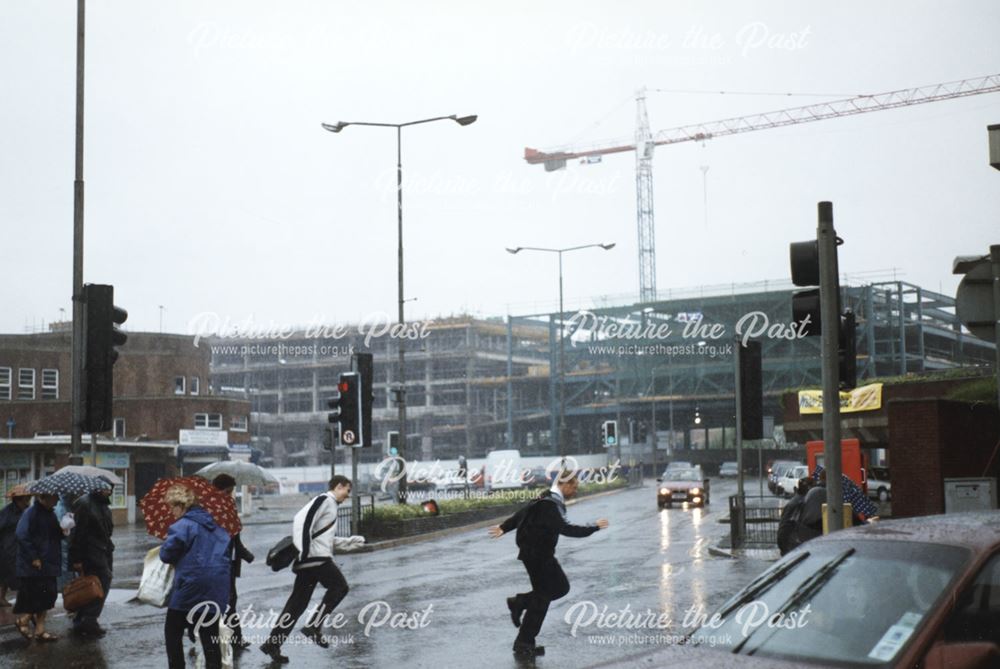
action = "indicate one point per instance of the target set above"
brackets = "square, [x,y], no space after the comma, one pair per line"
[401,380]
[561,437]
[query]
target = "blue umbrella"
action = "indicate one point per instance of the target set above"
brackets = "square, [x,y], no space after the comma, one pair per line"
[68,483]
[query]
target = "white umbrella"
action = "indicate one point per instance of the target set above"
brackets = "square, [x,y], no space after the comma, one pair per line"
[97,472]
[245,473]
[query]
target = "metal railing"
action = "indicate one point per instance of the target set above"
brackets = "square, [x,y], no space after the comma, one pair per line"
[345,514]
[753,521]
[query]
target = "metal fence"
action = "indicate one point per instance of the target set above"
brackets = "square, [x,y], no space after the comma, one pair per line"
[753,521]
[366,506]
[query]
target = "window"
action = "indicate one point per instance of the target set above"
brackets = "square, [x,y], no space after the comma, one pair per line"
[119,428]
[976,617]
[50,384]
[179,388]
[208,421]
[239,424]
[195,385]
[5,374]
[25,384]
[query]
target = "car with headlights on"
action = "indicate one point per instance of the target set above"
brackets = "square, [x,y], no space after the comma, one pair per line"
[679,486]
[897,594]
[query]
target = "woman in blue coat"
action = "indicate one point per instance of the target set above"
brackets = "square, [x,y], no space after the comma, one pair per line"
[39,563]
[198,549]
[20,498]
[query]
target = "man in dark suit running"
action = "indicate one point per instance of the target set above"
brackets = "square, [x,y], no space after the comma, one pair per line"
[539,524]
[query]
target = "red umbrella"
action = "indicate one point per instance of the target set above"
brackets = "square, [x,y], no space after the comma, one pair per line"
[219,505]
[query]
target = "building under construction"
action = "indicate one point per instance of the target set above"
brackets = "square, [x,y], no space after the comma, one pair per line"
[663,369]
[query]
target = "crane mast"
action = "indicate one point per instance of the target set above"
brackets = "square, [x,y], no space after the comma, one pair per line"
[645,142]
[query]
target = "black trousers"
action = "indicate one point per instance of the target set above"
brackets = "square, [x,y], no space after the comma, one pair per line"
[232,619]
[87,616]
[173,635]
[305,583]
[548,583]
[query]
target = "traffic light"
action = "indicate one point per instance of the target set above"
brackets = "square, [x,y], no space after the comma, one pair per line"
[101,336]
[641,433]
[609,433]
[392,441]
[804,257]
[365,364]
[748,358]
[348,409]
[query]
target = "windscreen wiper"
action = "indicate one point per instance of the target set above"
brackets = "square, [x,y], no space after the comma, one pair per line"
[760,585]
[806,589]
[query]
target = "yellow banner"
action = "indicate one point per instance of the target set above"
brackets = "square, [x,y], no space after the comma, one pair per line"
[865,398]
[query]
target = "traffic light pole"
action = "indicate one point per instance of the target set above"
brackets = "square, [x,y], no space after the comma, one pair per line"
[739,421]
[829,287]
[76,389]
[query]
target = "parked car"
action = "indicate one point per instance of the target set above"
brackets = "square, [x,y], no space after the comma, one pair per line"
[914,592]
[790,480]
[539,478]
[878,483]
[778,470]
[728,470]
[678,486]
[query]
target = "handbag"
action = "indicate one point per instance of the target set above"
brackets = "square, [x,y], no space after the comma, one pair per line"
[82,591]
[285,553]
[157,580]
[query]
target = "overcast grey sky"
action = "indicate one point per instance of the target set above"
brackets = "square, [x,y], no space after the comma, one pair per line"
[212,188]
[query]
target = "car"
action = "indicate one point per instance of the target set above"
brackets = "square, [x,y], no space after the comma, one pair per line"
[728,470]
[896,594]
[790,480]
[778,470]
[878,483]
[503,470]
[679,486]
[449,481]
[538,477]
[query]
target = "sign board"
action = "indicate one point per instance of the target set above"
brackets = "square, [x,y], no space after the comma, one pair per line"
[204,437]
[15,461]
[865,398]
[108,460]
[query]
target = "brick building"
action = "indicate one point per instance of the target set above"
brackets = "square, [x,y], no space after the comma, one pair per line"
[162,391]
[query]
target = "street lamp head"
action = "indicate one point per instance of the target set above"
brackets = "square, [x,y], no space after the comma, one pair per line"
[337,127]
[512,251]
[464,120]
[608,247]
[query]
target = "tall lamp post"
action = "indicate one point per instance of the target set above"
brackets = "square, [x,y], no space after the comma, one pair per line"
[337,127]
[561,436]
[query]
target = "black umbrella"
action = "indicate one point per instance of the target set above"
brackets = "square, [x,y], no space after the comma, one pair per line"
[68,483]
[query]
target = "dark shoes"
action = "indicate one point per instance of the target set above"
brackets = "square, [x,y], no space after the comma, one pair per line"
[240,643]
[89,630]
[522,649]
[274,652]
[316,636]
[515,612]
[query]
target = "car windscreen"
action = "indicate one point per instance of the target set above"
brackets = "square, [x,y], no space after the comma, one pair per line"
[851,603]
[683,475]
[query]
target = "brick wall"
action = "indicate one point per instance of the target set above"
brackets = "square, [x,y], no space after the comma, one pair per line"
[934,439]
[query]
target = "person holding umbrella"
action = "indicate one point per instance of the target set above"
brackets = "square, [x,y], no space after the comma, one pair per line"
[91,552]
[20,498]
[239,554]
[39,557]
[199,550]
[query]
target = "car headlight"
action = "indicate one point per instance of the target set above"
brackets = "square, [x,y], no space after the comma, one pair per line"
[695,491]
[664,491]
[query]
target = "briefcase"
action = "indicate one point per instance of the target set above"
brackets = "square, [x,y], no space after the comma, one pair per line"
[82,591]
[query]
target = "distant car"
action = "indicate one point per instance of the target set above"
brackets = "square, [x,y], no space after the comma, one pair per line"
[790,480]
[728,470]
[449,481]
[538,477]
[778,470]
[503,470]
[878,483]
[678,486]
[914,592]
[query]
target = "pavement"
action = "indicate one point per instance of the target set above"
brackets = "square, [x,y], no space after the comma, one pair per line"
[440,602]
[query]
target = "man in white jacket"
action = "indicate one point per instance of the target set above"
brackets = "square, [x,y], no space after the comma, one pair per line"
[314,535]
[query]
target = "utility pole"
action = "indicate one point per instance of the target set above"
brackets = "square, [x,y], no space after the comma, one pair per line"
[76,363]
[829,296]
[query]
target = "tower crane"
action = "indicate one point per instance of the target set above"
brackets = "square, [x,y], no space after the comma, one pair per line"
[644,142]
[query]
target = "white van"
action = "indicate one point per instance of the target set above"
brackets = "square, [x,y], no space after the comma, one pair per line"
[503,470]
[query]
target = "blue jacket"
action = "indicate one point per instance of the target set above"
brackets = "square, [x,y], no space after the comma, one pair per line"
[199,551]
[9,518]
[39,538]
